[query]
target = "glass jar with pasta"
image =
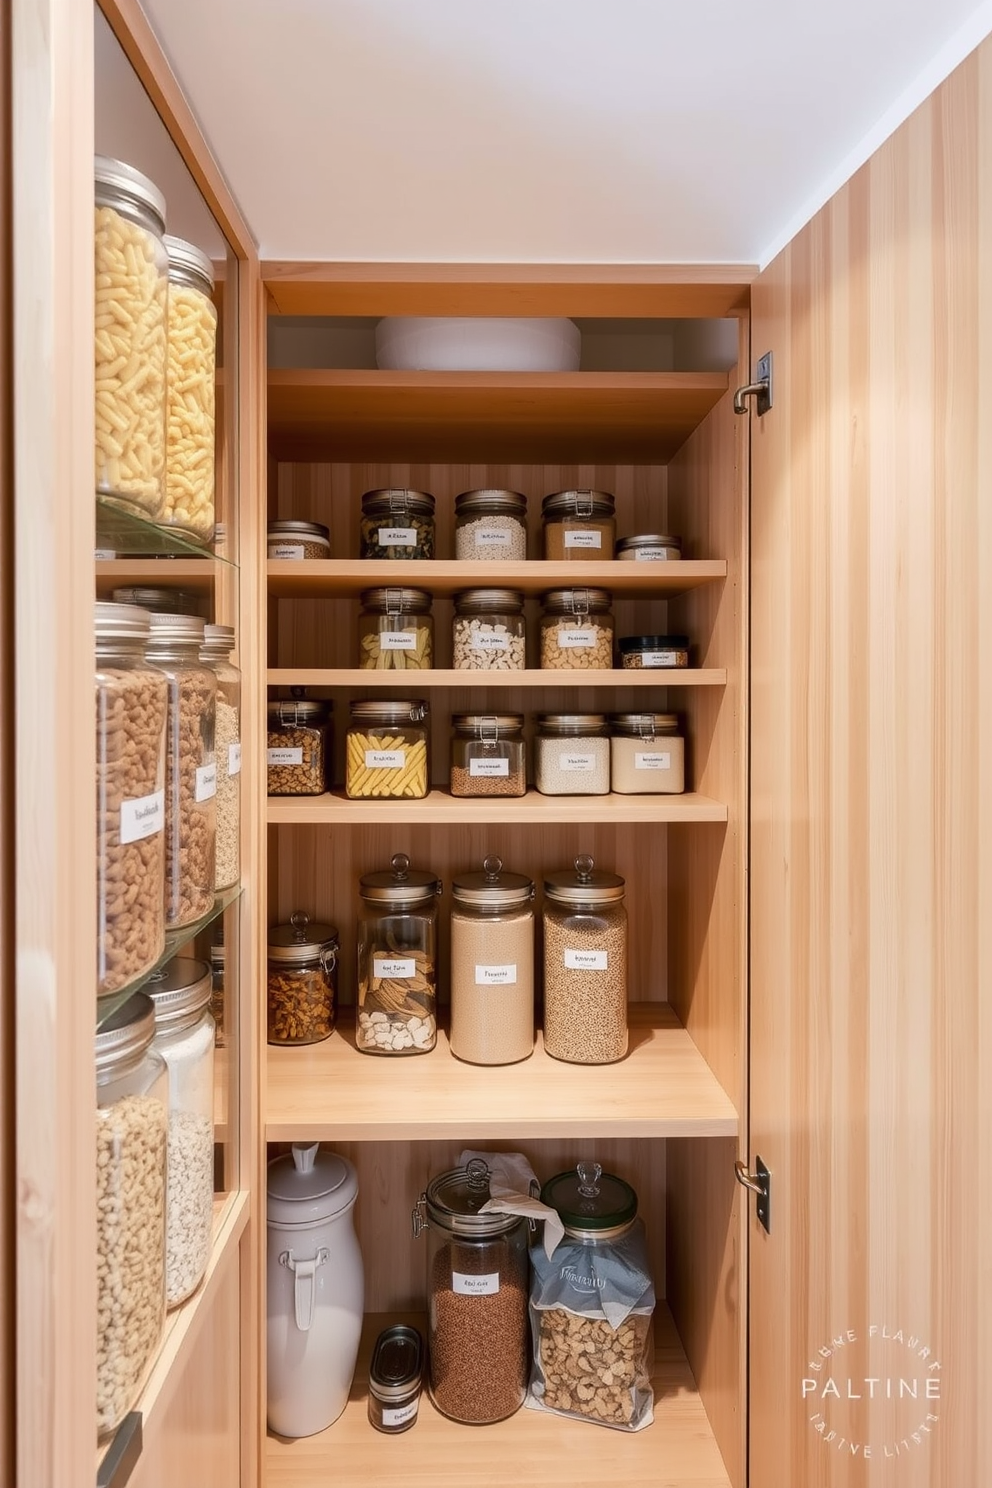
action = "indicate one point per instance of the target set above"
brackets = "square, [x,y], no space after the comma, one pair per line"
[395,630]
[192,378]
[386,755]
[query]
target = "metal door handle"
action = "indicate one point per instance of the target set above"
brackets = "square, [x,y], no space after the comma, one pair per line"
[760,1184]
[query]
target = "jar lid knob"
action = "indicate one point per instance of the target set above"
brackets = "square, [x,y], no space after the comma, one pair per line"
[478,1173]
[583,867]
[400,865]
[299,920]
[589,1173]
[305,1157]
[493,867]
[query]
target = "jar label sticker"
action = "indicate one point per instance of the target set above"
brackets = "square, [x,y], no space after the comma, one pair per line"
[206,782]
[484,1285]
[492,537]
[385,759]
[398,1415]
[397,640]
[397,537]
[286,550]
[496,976]
[577,637]
[285,756]
[234,759]
[103,554]
[652,759]
[142,817]
[659,658]
[583,539]
[586,960]
[574,763]
[396,968]
[645,555]
[489,768]
[490,640]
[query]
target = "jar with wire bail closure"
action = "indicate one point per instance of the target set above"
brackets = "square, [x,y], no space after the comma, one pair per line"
[299,747]
[492,966]
[577,629]
[585,965]
[395,630]
[488,755]
[579,526]
[397,523]
[489,633]
[647,754]
[397,960]
[491,527]
[302,980]
[386,751]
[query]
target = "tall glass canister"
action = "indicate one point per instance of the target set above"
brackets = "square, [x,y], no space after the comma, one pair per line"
[585,965]
[218,643]
[492,966]
[397,960]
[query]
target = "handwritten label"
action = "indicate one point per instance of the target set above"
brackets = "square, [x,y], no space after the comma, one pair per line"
[206,782]
[583,539]
[398,1415]
[287,550]
[576,637]
[650,555]
[474,1286]
[397,537]
[652,759]
[488,641]
[496,976]
[586,960]
[142,817]
[385,759]
[396,968]
[492,537]
[489,768]
[234,759]
[659,658]
[285,756]
[574,763]
[397,640]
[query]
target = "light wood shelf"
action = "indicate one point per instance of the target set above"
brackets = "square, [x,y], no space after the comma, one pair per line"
[440,808]
[369,679]
[195,574]
[531,1449]
[346,577]
[332,1092]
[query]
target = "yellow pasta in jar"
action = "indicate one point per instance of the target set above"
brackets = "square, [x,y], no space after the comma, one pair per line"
[385,766]
[189,486]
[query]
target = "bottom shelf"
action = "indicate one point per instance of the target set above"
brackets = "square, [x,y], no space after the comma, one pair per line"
[530,1450]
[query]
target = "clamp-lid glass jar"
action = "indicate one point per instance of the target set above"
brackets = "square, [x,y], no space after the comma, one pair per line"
[579,526]
[572,754]
[395,1377]
[492,966]
[387,750]
[491,527]
[184,1036]
[299,747]
[302,980]
[576,629]
[395,630]
[647,754]
[397,523]
[488,755]
[585,965]
[477,1298]
[132,1097]
[294,540]
[192,382]
[132,268]
[218,643]
[649,547]
[654,651]
[488,633]
[397,960]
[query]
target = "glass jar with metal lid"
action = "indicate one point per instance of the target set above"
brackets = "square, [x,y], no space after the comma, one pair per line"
[647,754]
[174,643]
[132,1097]
[491,526]
[299,747]
[654,651]
[132,269]
[302,980]
[488,634]
[488,755]
[165,601]
[218,643]
[477,1277]
[218,969]
[192,383]
[184,1036]
[579,526]
[585,965]
[397,960]
[395,1377]
[395,630]
[131,708]
[294,540]
[572,754]
[577,629]
[386,752]
[649,547]
[397,523]
[492,966]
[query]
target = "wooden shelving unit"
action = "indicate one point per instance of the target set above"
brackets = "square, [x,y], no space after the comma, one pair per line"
[440,807]
[412,681]
[196,574]
[347,577]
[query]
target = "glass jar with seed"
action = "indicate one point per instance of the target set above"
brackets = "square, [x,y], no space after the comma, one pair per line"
[488,755]
[295,541]
[572,754]
[302,980]
[395,630]
[491,527]
[585,965]
[579,526]
[397,960]
[397,523]
[492,966]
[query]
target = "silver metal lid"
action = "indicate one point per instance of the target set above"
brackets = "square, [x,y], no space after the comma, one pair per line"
[302,940]
[379,710]
[491,500]
[186,256]
[290,527]
[492,886]
[645,725]
[290,711]
[127,1032]
[120,621]
[399,884]
[477,601]
[570,723]
[166,601]
[123,178]
[647,540]
[396,500]
[586,885]
[396,600]
[578,504]
[186,629]
[488,725]
[454,1198]
[219,638]
[182,987]
[577,601]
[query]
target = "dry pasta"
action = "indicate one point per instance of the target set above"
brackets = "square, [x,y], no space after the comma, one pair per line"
[385,765]
[189,486]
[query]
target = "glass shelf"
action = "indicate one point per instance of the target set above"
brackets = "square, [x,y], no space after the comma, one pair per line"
[125,534]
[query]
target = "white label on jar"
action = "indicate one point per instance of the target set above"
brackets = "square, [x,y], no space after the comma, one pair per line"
[285,756]
[397,537]
[583,539]
[572,763]
[492,537]
[142,817]
[474,1286]
[576,637]
[489,767]
[496,976]
[643,555]
[287,550]
[103,554]
[659,658]
[398,1415]
[397,640]
[586,960]
[651,759]
[397,968]
[206,782]
[385,759]
[234,759]
[489,642]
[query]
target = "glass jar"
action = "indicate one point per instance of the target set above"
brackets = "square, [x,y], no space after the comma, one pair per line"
[303,981]
[488,755]
[397,524]
[492,966]
[649,547]
[131,706]
[395,1377]
[572,754]
[132,1097]
[488,634]
[299,747]
[174,643]
[132,268]
[476,1298]
[387,751]
[218,968]
[395,630]
[184,1036]
[654,651]
[585,965]
[218,643]
[192,385]
[491,527]
[647,754]
[576,629]
[397,960]
[296,541]
[579,526]
[166,601]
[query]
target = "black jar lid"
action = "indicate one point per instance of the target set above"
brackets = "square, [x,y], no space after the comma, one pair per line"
[653,643]
[587,1199]
[397,1363]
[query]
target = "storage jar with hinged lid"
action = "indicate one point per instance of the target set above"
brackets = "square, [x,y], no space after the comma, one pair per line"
[298,753]
[579,526]
[488,755]
[491,526]
[492,966]
[647,754]
[192,384]
[649,547]
[585,965]
[397,523]
[488,633]
[577,629]
[302,980]
[386,751]
[395,630]
[572,754]
[397,960]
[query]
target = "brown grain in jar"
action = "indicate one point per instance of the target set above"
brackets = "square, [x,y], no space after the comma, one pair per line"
[579,526]
[298,752]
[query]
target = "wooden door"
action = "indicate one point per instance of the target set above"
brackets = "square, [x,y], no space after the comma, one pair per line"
[871,798]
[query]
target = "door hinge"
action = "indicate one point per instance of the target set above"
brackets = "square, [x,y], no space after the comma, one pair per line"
[760,1183]
[760,390]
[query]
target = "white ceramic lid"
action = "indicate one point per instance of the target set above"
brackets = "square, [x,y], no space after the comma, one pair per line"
[309,1185]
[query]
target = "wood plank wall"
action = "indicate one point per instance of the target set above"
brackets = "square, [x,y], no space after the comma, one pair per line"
[872,807]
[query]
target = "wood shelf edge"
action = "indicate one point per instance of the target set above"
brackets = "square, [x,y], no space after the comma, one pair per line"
[440,807]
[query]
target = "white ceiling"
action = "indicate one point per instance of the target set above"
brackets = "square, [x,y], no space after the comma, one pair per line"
[630,131]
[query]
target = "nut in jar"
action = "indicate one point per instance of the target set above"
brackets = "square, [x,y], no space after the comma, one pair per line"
[302,981]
